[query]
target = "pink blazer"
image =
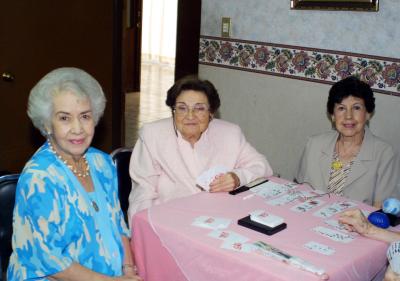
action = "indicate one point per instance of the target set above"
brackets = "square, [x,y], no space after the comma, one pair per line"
[164,166]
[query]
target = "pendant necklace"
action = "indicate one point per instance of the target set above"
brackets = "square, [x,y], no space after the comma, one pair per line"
[336,163]
[95,207]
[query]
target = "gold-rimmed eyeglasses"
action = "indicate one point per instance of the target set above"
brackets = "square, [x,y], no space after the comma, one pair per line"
[200,109]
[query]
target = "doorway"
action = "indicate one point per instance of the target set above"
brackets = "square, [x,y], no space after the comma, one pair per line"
[140,107]
[157,67]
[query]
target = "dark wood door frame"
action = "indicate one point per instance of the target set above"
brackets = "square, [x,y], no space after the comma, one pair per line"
[187,41]
[187,38]
[118,97]
[132,44]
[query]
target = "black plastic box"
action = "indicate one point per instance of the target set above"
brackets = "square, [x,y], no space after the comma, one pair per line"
[247,222]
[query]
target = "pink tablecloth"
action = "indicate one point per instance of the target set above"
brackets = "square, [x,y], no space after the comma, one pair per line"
[168,247]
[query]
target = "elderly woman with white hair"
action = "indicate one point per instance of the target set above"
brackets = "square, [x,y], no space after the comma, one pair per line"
[68,224]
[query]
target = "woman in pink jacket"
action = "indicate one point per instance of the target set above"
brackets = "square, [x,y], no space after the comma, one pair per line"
[171,153]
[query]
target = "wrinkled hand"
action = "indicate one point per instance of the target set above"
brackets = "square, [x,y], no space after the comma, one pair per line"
[390,275]
[130,274]
[354,220]
[128,278]
[225,182]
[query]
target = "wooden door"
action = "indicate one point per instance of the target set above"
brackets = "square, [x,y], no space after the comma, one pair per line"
[187,38]
[132,45]
[37,36]
[187,41]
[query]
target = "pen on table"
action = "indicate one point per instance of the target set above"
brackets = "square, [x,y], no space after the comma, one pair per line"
[292,260]
[248,196]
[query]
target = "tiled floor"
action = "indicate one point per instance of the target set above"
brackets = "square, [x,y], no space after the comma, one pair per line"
[148,104]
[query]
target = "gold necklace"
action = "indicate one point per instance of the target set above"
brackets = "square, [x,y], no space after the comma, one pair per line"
[336,163]
[79,174]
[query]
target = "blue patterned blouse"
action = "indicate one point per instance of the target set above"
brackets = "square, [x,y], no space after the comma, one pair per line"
[56,223]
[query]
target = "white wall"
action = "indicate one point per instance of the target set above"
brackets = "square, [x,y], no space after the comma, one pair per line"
[278,114]
[373,33]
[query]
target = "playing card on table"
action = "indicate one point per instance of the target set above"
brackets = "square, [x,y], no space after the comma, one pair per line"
[334,209]
[333,234]
[270,189]
[338,226]
[227,235]
[283,200]
[208,176]
[319,248]
[211,222]
[238,246]
[291,196]
[341,206]
[308,205]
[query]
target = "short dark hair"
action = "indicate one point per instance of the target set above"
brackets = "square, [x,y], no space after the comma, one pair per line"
[195,84]
[351,86]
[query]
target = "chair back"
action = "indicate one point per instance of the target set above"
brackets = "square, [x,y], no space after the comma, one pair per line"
[121,157]
[8,184]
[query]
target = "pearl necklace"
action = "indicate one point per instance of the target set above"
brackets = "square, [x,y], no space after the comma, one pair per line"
[79,174]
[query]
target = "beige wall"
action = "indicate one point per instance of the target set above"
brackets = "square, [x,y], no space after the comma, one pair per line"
[278,114]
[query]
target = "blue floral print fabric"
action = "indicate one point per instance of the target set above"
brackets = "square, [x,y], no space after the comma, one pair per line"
[55,223]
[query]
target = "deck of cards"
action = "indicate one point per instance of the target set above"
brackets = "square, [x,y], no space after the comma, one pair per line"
[208,176]
[393,255]
[265,218]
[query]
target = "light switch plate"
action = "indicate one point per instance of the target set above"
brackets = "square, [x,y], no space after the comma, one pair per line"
[226,27]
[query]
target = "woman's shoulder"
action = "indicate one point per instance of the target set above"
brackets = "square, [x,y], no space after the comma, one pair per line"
[162,126]
[97,152]
[224,127]
[40,160]
[378,143]
[99,159]
[323,137]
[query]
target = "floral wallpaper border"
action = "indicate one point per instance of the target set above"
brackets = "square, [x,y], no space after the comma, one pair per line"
[316,65]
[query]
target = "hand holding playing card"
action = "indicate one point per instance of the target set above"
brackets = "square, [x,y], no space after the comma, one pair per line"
[354,220]
[393,255]
[207,177]
[225,182]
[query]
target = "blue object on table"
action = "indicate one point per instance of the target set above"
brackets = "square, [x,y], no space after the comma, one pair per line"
[379,219]
[391,206]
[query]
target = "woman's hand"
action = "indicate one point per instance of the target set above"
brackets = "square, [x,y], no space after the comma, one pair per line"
[225,182]
[128,278]
[354,220]
[390,275]
[130,274]
[130,271]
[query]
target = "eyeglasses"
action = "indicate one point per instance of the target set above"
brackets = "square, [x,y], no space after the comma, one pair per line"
[200,109]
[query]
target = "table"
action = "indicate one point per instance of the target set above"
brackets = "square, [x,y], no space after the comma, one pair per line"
[168,247]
